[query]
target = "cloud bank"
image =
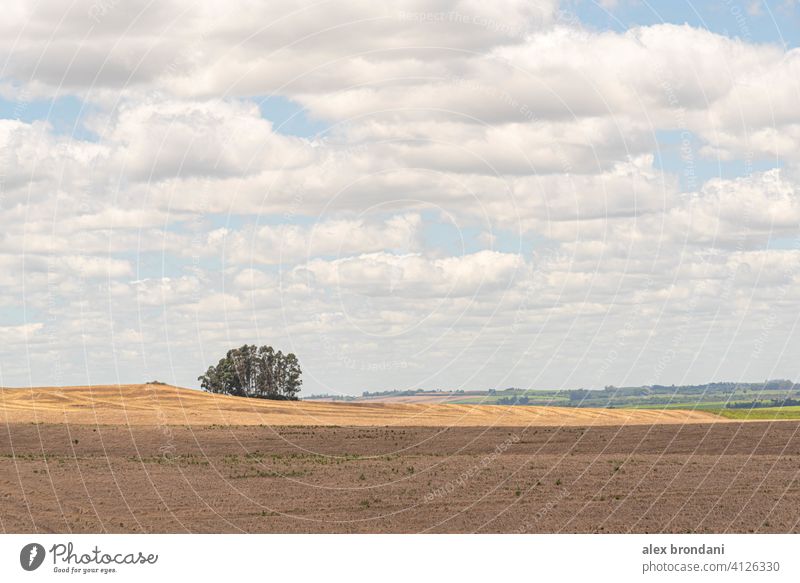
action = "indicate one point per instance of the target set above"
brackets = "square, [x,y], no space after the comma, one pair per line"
[490,194]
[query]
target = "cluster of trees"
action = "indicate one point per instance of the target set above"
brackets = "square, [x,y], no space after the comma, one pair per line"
[521,400]
[251,371]
[581,394]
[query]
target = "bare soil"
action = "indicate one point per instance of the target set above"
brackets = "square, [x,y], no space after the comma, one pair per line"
[721,477]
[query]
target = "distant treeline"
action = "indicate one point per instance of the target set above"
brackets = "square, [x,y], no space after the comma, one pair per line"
[328,397]
[761,404]
[726,387]
[769,393]
[407,393]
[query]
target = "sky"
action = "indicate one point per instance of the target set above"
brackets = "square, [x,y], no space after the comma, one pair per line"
[451,194]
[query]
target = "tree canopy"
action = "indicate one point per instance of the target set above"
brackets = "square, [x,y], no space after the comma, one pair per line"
[251,371]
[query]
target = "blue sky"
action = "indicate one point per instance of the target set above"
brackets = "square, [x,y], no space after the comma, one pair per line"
[765,21]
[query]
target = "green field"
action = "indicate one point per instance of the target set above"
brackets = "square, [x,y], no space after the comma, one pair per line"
[760,413]
[700,406]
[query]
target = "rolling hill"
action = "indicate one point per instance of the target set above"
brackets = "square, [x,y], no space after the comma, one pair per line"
[155,404]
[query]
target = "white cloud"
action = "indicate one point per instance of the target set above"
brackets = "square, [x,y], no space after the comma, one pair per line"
[289,243]
[163,291]
[177,139]
[20,333]
[383,274]
[204,47]
[84,266]
[488,167]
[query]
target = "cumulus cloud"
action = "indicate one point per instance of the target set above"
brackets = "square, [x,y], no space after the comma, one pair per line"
[762,206]
[178,139]
[20,333]
[96,266]
[288,244]
[383,274]
[199,48]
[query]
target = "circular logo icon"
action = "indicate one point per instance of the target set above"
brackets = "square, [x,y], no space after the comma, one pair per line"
[31,556]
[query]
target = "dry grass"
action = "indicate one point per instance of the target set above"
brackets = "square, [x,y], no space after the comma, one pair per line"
[163,404]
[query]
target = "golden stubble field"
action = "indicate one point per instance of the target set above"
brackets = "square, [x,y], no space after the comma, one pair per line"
[151,404]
